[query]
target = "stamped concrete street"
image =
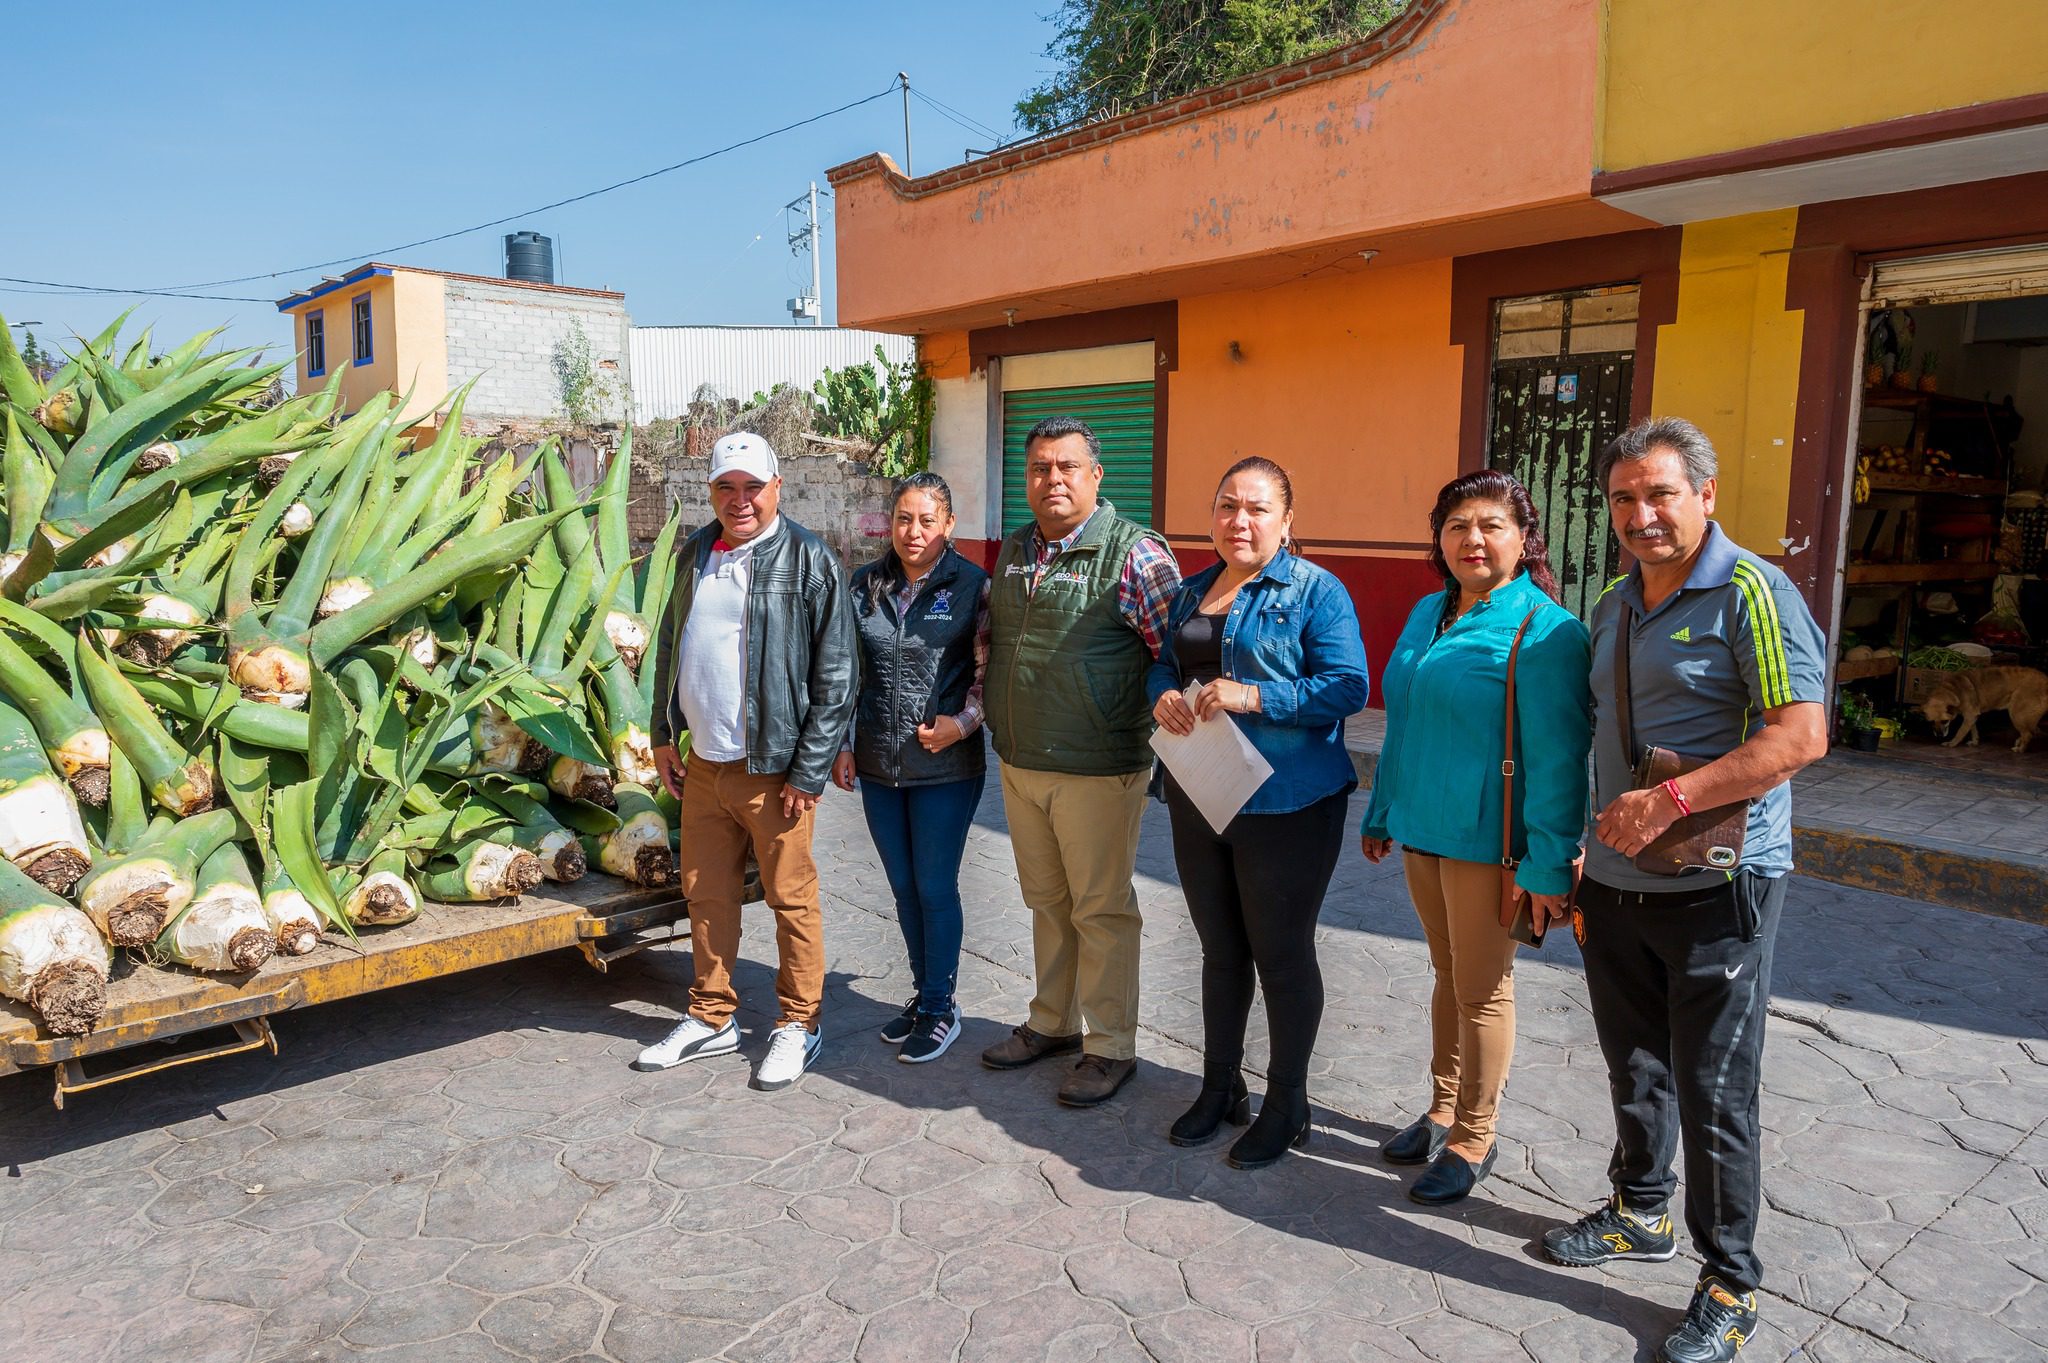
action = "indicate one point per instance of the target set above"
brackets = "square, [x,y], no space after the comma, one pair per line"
[466,1170]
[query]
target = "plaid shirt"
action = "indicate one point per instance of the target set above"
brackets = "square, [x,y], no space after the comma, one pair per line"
[1145,591]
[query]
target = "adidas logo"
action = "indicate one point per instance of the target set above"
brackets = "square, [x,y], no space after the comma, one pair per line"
[1684,634]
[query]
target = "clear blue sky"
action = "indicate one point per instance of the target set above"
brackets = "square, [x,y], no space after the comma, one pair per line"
[175,144]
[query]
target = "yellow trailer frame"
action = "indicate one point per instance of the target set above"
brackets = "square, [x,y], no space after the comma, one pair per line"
[603,918]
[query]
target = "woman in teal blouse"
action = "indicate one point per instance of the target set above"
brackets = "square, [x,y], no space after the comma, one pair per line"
[1437,793]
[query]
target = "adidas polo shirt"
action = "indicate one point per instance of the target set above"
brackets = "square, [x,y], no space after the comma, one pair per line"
[1735,641]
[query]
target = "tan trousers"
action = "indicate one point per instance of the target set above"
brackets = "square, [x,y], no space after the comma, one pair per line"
[724,811]
[1472,1012]
[1076,843]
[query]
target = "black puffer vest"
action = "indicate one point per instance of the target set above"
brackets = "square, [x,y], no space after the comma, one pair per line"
[913,669]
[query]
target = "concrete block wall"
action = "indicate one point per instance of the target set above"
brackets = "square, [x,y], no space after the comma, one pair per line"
[833,498]
[506,336]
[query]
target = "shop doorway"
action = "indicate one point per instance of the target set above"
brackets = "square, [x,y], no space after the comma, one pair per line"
[1563,367]
[1943,571]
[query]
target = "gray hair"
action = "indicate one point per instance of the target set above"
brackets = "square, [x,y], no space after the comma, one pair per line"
[1672,433]
[1058,428]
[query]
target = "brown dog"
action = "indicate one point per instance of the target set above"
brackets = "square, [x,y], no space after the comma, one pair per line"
[2021,692]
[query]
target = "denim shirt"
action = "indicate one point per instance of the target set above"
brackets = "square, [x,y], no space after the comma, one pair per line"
[1291,631]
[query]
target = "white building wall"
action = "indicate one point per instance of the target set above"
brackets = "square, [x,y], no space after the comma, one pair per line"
[671,363]
[508,336]
[960,452]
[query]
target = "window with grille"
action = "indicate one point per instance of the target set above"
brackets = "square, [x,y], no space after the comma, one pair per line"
[316,344]
[359,322]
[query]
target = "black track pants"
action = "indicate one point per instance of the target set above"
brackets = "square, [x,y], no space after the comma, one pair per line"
[1679,983]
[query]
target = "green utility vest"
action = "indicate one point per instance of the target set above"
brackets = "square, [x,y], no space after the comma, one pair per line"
[1065,685]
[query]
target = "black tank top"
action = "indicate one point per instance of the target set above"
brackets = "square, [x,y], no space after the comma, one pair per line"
[1198,648]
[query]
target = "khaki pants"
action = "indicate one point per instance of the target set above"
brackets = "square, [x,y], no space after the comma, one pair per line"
[1076,842]
[725,810]
[1472,1012]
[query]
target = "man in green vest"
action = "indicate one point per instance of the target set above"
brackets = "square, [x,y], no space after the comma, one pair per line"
[1077,610]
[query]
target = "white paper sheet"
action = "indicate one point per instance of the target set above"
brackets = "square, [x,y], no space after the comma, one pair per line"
[1216,765]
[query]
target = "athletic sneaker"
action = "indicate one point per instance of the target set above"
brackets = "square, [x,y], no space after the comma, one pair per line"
[1613,1232]
[897,1029]
[691,1040]
[930,1038]
[1716,1326]
[791,1049]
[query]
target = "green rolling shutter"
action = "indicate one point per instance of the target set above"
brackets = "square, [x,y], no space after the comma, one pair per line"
[1121,415]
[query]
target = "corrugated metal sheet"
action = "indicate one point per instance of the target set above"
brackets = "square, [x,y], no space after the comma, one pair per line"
[671,363]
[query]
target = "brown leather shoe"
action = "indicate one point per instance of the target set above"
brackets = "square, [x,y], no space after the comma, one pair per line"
[1022,1046]
[1095,1080]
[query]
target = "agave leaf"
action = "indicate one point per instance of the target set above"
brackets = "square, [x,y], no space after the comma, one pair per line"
[291,826]
[245,774]
[16,382]
[117,527]
[33,568]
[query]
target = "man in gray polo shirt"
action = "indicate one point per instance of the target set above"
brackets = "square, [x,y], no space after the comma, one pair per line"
[1724,663]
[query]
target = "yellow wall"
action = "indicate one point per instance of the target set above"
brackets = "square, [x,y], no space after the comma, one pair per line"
[1730,364]
[408,336]
[1687,79]
[419,336]
[1350,382]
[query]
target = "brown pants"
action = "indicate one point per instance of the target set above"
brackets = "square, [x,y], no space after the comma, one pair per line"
[1472,1012]
[1076,843]
[726,810]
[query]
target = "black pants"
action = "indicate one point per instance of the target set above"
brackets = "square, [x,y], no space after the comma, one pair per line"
[1679,983]
[1254,892]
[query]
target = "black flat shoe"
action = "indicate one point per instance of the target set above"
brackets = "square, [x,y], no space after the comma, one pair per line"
[1416,1144]
[1450,1177]
[1216,1105]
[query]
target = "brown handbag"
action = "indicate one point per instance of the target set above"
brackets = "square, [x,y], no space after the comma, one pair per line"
[1704,840]
[1517,912]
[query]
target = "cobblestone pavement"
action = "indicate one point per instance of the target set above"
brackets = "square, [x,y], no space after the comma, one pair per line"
[466,1170]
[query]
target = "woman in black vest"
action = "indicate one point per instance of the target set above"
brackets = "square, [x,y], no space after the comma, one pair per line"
[922,615]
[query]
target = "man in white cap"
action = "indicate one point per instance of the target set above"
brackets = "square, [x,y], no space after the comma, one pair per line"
[754,663]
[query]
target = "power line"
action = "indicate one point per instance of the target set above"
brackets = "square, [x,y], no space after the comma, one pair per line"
[52,289]
[178,290]
[952,115]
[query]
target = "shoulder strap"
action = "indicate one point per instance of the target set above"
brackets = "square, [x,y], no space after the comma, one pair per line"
[1507,760]
[1624,695]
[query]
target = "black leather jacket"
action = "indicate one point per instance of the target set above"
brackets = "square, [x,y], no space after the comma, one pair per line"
[802,662]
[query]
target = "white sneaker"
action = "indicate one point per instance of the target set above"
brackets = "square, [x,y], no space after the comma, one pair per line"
[690,1040]
[791,1049]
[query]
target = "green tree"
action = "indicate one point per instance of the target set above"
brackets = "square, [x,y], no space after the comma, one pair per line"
[1118,55]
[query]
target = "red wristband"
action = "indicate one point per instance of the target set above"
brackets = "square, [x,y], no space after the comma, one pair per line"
[1678,798]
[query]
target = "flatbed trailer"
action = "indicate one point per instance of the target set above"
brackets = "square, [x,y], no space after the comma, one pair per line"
[602,917]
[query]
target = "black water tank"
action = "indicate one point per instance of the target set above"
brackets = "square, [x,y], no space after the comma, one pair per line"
[529,256]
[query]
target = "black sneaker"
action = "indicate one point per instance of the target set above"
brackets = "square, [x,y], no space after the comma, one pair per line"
[1613,1232]
[896,1030]
[1716,1326]
[930,1037]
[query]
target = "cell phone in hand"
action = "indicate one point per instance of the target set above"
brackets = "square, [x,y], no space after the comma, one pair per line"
[1523,929]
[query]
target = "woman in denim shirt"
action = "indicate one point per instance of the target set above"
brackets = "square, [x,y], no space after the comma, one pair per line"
[1437,792]
[1271,639]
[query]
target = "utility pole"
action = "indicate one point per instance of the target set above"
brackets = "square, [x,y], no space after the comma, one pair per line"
[905,79]
[817,287]
[811,305]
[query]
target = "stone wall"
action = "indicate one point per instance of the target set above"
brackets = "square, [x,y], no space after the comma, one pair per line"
[833,497]
[507,336]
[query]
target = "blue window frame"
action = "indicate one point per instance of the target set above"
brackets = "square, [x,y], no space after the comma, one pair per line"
[359,326]
[316,344]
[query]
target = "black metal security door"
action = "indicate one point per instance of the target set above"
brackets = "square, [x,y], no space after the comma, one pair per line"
[1551,414]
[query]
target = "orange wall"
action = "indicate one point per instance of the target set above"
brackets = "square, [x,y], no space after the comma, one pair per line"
[1490,111]
[1350,383]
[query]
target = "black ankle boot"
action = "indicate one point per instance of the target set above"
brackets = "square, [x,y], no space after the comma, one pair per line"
[1223,1099]
[1282,1123]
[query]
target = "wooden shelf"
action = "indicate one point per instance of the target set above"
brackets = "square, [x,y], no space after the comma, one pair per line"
[1953,487]
[1920,572]
[1865,667]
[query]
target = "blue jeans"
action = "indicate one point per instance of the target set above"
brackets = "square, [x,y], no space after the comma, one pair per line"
[921,834]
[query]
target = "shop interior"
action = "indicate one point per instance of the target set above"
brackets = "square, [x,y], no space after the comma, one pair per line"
[1946,580]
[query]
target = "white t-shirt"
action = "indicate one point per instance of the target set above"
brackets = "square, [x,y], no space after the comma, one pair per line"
[711,667]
